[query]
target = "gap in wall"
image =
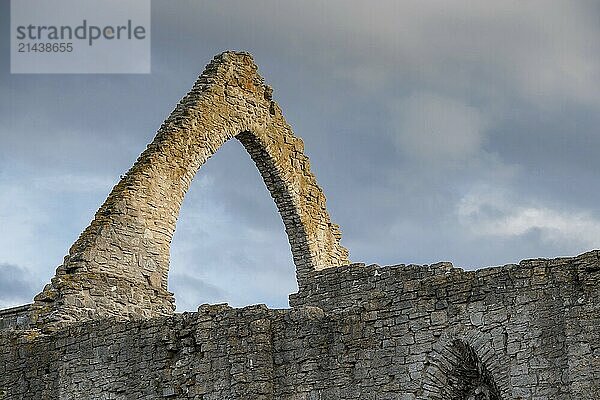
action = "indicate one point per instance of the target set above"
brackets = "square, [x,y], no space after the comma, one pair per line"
[230,243]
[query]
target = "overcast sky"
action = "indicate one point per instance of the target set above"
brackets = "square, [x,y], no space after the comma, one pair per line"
[439,131]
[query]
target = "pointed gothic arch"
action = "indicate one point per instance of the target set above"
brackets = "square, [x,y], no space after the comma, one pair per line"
[464,365]
[119,265]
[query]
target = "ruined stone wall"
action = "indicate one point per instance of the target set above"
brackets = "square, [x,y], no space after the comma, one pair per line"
[526,331]
[15,317]
[534,326]
[119,265]
[103,328]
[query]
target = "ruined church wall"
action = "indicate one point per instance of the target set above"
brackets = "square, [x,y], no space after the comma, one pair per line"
[118,267]
[526,331]
[15,317]
[534,325]
[363,332]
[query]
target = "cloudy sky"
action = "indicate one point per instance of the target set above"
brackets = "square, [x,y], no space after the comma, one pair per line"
[439,130]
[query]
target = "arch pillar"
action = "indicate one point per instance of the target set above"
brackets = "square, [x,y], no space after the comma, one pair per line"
[119,265]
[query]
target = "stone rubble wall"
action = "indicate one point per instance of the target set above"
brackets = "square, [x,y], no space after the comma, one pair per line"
[15,317]
[119,265]
[535,324]
[526,331]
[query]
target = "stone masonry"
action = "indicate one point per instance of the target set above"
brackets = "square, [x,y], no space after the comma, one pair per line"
[105,328]
[119,265]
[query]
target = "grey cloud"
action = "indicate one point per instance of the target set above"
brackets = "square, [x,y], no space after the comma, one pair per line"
[438,129]
[191,291]
[16,285]
[542,48]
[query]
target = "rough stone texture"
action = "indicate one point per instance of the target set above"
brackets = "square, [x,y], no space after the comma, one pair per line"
[101,329]
[15,317]
[526,331]
[533,326]
[118,267]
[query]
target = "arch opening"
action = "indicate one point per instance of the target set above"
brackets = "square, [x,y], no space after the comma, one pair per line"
[119,265]
[456,372]
[229,244]
[469,379]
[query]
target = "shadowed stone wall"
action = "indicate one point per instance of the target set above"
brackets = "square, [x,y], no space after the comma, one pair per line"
[533,327]
[119,265]
[526,331]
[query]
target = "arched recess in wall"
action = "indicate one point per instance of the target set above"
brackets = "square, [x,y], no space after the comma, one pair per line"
[459,375]
[119,265]
[454,371]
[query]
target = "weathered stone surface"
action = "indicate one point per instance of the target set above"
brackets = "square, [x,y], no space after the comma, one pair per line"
[118,267]
[101,329]
[356,332]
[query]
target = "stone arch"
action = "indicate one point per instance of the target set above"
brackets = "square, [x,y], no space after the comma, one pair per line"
[464,366]
[119,265]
